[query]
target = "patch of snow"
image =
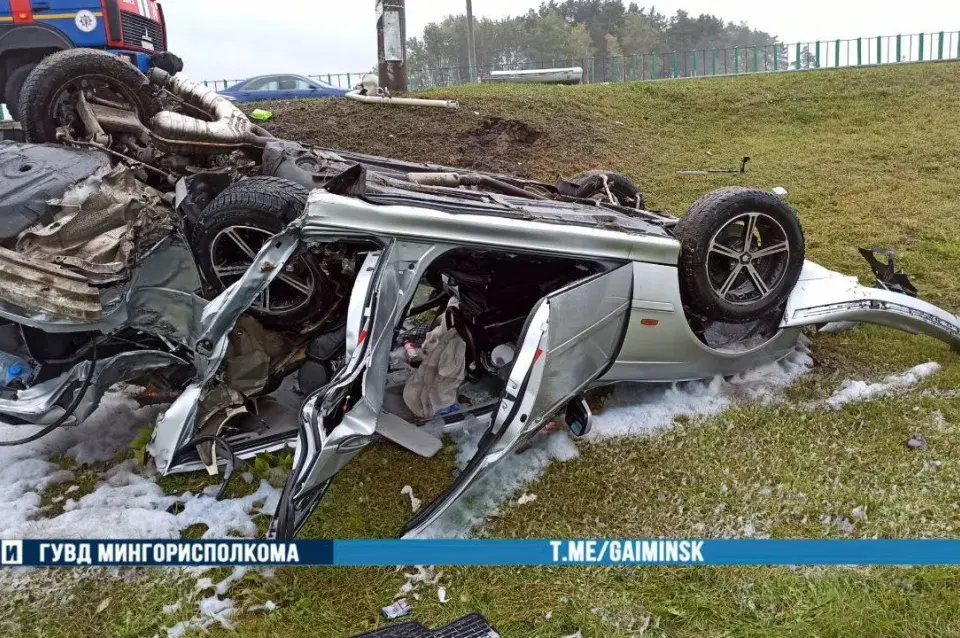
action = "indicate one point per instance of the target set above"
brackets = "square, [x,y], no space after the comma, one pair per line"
[267,607]
[526,498]
[213,610]
[224,585]
[852,390]
[126,503]
[414,501]
[632,410]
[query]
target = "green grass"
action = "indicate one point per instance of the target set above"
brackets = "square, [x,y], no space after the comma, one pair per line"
[870,159]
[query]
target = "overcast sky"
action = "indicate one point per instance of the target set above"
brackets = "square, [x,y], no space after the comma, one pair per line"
[233,39]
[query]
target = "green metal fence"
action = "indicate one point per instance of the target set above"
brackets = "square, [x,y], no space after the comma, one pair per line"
[762,58]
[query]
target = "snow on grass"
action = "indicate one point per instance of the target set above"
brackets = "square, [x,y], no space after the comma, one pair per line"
[852,390]
[632,410]
[127,502]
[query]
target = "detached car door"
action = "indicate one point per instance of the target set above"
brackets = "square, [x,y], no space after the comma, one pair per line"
[570,339]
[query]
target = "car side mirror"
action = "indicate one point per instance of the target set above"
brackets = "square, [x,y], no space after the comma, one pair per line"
[579,417]
[313,88]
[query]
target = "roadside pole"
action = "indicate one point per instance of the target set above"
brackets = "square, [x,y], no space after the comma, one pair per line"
[391,44]
[471,43]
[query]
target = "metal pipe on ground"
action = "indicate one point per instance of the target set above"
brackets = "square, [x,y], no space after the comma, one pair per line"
[402,101]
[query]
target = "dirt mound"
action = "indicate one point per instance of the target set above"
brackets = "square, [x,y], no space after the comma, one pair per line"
[454,138]
[498,145]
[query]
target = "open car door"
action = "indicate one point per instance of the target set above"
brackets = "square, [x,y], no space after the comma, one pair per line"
[337,420]
[570,339]
[341,419]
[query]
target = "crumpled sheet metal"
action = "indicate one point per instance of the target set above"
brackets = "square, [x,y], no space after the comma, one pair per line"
[253,355]
[103,223]
[38,286]
[219,317]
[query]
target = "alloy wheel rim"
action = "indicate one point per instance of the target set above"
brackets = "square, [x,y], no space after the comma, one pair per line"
[747,258]
[232,252]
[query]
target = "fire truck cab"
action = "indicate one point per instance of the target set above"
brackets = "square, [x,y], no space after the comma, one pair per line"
[33,29]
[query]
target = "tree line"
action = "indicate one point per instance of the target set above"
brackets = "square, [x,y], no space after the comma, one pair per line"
[572,32]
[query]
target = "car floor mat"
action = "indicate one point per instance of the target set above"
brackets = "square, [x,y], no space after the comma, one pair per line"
[472,626]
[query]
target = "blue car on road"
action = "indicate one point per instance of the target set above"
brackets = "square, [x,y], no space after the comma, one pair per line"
[281,87]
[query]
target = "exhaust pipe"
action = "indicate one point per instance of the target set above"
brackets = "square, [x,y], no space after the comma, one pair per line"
[178,133]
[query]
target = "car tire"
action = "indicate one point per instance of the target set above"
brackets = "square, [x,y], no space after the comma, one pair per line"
[43,85]
[591,184]
[722,278]
[239,222]
[11,92]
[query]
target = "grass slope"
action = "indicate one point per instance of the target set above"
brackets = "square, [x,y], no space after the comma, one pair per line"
[870,159]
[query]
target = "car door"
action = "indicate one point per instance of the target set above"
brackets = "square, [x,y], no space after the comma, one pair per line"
[341,419]
[570,339]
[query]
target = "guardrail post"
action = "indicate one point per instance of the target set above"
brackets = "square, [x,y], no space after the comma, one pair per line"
[675,65]
[616,68]
[776,56]
[736,60]
[879,50]
[349,81]
[714,61]
[859,51]
[817,59]
[838,54]
[694,62]
[899,46]
[756,59]
[433,78]
[798,55]
[653,66]
[940,47]
[633,71]
[593,69]
[921,47]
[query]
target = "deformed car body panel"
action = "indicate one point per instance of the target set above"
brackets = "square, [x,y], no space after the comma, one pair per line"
[176,427]
[655,341]
[822,296]
[329,215]
[572,337]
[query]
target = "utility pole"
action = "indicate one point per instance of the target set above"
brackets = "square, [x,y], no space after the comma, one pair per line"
[471,43]
[391,44]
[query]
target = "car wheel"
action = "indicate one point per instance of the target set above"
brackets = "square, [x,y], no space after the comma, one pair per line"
[11,92]
[233,229]
[741,254]
[605,186]
[48,100]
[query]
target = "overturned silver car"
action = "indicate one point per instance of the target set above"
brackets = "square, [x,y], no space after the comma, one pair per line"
[187,252]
